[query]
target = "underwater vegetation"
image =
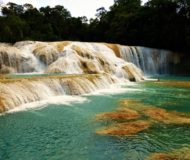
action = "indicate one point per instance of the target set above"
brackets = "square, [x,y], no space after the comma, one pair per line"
[134,116]
[126,114]
[179,154]
[127,128]
[182,84]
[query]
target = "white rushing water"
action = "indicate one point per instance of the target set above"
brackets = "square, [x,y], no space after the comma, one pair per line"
[113,63]
[80,57]
[59,100]
[151,61]
[38,93]
[19,92]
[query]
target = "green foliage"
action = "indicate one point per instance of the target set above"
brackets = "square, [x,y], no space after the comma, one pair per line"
[158,23]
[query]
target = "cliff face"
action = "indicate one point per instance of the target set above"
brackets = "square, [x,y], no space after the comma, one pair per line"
[180,64]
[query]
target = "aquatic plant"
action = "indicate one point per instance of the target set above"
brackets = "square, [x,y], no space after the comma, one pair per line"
[178,154]
[125,129]
[130,109]
[182,84]
[127,114]
[167,117]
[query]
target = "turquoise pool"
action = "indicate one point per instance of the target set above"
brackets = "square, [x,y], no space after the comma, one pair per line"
[68,132]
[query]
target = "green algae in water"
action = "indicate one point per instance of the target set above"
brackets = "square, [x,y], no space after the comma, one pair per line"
[68,132]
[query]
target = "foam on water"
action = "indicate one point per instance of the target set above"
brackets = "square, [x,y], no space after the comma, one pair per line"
[35,58]
[68,100]
[59,100]
[114,89]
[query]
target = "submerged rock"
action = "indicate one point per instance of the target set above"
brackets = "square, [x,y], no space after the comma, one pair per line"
[180,154]
[125,129]
[130,109]
[167,117]
[183,84]
[127,114]
[162,156]
[155,113]
[136,105]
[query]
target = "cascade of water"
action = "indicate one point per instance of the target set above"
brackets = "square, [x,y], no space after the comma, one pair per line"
[151,61]
[31,63]
[18,92]
[81,58]
[19,60]
[10,59]
[78,57]
[120,63]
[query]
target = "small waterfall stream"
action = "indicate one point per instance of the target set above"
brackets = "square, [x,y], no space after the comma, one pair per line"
[151,61]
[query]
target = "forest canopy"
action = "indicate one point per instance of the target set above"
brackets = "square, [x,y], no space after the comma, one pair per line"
[158,23]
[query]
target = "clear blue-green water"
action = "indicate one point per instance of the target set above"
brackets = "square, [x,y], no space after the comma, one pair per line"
[61,132]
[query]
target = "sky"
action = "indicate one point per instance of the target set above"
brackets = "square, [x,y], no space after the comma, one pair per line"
[76,7]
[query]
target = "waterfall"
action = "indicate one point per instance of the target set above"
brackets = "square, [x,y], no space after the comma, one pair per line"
[151,61]
[65,57]
[10,59]
[16,92]
[31,62]
[18,60]
[80,57]
[95,65]
[90,58]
